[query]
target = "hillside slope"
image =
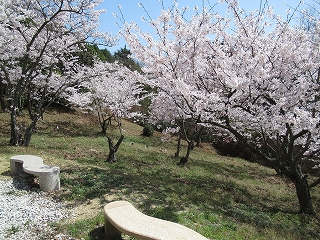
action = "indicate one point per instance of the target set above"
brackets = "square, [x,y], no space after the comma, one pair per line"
[220,197]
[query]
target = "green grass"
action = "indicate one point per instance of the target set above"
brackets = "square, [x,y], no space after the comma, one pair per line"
[220,197]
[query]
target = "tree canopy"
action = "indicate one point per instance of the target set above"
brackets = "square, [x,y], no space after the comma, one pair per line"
[252,74]
[39,54]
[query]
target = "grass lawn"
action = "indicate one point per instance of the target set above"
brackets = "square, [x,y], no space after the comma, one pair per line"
[219,197]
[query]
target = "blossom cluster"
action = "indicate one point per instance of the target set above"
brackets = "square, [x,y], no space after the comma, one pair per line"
[109,88]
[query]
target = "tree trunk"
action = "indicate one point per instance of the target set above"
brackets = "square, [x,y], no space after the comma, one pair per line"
[199,134]
[302,187]
[2,95]
[185,159]
[104,123]
[303,193]
[15,138]
[104,127]
[113,149]
[176,155]
[29,131]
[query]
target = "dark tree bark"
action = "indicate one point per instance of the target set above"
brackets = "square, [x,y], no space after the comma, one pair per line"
[35,113]
[15,138]
[198,137]
[302,188]
[29,131]
[185,159]
[104,123]
[2,95]
[315,183]
[176,155]
[191,132]
[303,193]
[113,149]
[300,181]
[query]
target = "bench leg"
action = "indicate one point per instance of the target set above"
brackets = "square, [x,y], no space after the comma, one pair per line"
[16,167]
[111,232]
[50,181]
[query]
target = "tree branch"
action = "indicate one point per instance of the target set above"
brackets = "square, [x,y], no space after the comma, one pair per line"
[315,183]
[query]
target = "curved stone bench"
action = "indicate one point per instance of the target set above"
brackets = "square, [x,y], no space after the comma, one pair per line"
[49,177]
[123,217]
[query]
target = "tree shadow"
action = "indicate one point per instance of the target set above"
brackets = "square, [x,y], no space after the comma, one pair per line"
[85,184]
[165,192]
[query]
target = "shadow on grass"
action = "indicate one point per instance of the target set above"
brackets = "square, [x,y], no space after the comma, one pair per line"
[85,184]
[6,174]
[165,191]
[67,128]
[97,233]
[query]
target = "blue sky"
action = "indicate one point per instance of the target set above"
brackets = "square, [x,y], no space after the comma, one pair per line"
[132,12]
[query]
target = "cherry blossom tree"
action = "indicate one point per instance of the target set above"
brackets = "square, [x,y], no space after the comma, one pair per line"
[269,84]
[111,94]
[166,110]
[252,74]
[172,61]
[39,42]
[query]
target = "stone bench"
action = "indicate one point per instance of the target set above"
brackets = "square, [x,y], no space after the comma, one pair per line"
[49,177]
[123,217]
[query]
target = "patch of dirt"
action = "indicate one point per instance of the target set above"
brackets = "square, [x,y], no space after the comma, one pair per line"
[88,209]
